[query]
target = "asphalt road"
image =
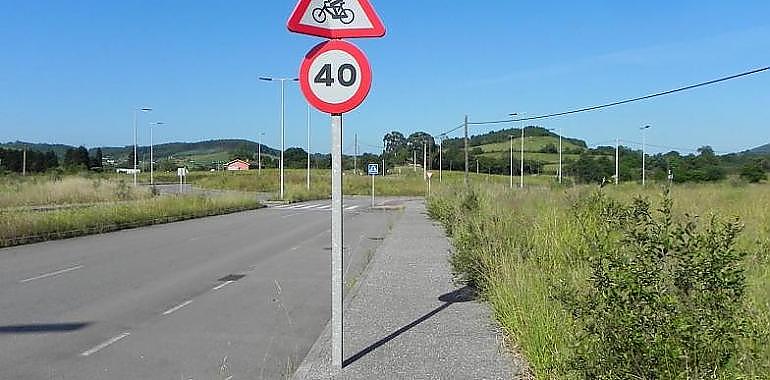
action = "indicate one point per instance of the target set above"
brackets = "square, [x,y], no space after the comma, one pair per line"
[157,302]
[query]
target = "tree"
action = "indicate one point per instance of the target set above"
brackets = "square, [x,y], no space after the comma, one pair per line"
[296,158]
[753,172]
[96,162]
[394,141]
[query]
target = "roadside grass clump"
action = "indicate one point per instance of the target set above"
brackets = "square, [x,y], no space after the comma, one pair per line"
[602,284]
[20,227]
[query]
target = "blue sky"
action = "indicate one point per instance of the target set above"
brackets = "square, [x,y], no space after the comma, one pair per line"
[71,72]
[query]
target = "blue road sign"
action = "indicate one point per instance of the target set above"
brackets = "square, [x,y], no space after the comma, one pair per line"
[373,169]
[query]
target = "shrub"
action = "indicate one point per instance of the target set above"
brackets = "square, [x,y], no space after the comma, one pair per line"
[753,172]
[664,299]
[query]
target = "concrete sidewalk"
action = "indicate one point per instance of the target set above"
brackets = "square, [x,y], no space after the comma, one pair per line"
[407,320]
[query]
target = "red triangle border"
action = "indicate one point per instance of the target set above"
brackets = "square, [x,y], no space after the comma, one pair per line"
[377,30]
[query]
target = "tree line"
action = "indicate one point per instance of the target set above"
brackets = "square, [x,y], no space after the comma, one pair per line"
[75,159]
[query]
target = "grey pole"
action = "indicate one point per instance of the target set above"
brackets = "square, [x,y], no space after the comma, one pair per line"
[477,166]
[259,154]
[283,134]
[152,160]
[24,163]
[440,158]
[372,188]
[414,160]
[644,152]
[560,161]
[511,162]
[336,234]
[424,161]
[283,126]
[136,168]
[617,161]
[308,146]
[466,150]
[521,175]
[355,154]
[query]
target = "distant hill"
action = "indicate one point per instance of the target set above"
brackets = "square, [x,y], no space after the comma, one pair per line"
[59,149]
[761,150]
[212,150]
[202,151]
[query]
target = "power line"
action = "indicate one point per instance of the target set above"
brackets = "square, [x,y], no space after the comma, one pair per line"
[617,103]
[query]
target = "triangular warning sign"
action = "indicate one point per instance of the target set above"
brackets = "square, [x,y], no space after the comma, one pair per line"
[336,19]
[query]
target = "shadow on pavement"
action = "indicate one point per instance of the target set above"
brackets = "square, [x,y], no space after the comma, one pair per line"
[45,328]
[465,294]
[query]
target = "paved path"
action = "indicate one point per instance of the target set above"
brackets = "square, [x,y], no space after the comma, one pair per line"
[407,320]
[242,295]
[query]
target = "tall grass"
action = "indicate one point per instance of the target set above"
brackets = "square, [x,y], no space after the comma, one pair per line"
[522,247]
[45,191]
[19,227]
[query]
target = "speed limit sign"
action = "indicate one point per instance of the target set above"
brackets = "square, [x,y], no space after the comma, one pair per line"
[335,77]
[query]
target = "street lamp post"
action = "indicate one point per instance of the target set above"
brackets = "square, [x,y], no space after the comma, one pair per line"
[440,157]
[308,146]
[145,109]
[511,185]
[152,159]
[644,152]
[521,174]
[283,123]
[259,154]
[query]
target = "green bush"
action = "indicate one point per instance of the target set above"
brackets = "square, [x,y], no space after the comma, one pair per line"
[665,299]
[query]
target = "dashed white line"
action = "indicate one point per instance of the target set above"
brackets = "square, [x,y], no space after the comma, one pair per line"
[351,208]
[222,285]
[104,345]
[177,307]
[51,274]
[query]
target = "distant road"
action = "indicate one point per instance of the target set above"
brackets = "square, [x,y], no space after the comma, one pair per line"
[243,295]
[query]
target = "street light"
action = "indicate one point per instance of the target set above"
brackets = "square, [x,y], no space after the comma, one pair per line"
[136,110]
[259,154]
[152,160]
[283,124]
[644,151]
[308,146]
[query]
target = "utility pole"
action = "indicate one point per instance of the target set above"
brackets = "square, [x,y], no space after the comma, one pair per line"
[560,161]
[521,176]
[152,158]
[466,150]
[24,163]
[477,166]
[617,161]
[259,154]
[511,162]
[355,154]
[440,157]
[424,161]
[644,152]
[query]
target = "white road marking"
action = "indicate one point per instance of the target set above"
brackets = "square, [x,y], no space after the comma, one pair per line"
[177,307]
[351,208]
[104,345]
[305,207]
[51,274]
[222,285]
[325,207]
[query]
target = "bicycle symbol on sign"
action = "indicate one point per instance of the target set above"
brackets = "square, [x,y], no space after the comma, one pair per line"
[336,10]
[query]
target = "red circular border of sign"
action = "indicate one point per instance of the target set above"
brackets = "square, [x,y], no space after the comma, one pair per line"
[360,94]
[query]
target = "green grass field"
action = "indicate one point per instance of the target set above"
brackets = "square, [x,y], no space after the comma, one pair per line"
[524,246]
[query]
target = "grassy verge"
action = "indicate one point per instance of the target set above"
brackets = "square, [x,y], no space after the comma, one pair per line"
[42,190]
[22,227]
[523,248]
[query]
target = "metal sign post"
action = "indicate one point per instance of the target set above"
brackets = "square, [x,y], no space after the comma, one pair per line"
[336,321]
[373,170]
[335,78]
